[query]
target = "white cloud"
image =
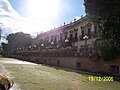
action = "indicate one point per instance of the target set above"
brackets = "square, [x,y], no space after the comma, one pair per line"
[6,9]
[13,22]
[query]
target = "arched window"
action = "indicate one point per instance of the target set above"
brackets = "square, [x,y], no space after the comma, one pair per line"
[65,36]
[76,38]
[83,33]
[61,38]
[89,32]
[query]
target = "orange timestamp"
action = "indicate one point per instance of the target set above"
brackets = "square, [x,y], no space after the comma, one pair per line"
[100,78]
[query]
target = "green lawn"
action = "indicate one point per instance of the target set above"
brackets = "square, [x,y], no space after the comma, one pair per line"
[40,77]
[1,58]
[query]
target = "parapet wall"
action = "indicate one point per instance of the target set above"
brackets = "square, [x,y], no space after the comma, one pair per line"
[81,63]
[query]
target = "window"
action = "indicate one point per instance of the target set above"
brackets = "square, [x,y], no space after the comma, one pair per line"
[83,34]
[61,38]
[95,30]
[47,39]
[37,60]
[89,32]
[58,62]
[114,69]
[55,39]
[51,38]
[45,61]
[78,65]
[71,38]
[65,36]
[76,38]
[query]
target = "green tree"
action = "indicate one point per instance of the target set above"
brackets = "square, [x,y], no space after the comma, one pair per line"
[105,14]
[17,40]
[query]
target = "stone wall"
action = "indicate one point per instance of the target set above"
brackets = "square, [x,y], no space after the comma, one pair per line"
[82,63]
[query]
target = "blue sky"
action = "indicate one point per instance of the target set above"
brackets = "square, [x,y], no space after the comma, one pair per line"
[75,9]
[36,16]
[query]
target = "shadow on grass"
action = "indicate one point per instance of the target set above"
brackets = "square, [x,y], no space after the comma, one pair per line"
[83,72]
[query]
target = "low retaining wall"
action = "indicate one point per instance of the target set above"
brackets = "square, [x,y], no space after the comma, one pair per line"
[82,63]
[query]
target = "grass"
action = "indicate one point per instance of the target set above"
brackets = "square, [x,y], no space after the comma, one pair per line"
[1,58]
[40,77]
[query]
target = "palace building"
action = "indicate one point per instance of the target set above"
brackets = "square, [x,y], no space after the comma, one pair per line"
[71,46]
[77,34]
